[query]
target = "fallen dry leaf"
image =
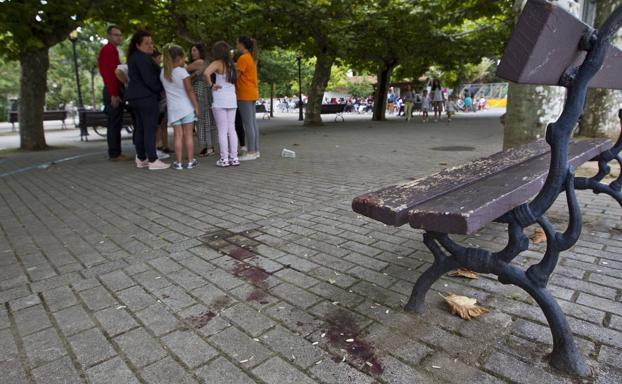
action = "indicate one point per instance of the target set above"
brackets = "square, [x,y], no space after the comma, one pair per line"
[538,236]
[464,307]
[463,272]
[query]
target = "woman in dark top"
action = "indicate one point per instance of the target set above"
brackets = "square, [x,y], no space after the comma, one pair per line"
[143,93]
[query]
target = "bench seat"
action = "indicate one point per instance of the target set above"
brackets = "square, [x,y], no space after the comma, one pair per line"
[461,200]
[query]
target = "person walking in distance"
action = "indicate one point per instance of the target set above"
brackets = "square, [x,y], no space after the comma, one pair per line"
[107,61]
[143,93]
[247,91]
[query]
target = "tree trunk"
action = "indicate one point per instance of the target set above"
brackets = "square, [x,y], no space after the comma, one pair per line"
[32,89]
[600,118]
[321,75]
[532,107]
[382,88]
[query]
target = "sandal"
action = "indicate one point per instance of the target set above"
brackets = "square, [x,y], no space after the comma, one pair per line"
[203,152]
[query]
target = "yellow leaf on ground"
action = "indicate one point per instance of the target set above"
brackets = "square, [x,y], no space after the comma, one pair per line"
[538,236]
[464,307]
[463,272]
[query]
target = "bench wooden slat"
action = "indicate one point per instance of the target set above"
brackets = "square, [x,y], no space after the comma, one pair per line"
[391,205]
[545,43]
[467,210]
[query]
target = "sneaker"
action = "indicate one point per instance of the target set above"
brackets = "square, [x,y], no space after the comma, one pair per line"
[223,163]
[248,157]
[234,162]
[157,165]
[192,164]
[177,165]
[258,154]
[141,163]
[162,155]
[243,149]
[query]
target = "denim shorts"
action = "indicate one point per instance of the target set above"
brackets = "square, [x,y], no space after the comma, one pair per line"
[189,118]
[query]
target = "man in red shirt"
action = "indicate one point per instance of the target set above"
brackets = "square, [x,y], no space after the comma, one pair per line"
[107,62]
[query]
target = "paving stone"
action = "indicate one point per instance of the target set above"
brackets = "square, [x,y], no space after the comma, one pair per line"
[295,295]
[189,347]
[167,371]
[295,277]
[91,347]
[157,318]
[97,298]
[396,372]
[60,371]
[339,373]
[136,298]
[24,302]
[14,293]
[276,370]
[113,371]
[116,281]
[253,322]
[175,297]
[8,349]
[59,298]
[43,347]
[611,356]
[165,265]
[13,372]
[31,320]
[240,347]
[186,279]
[152,280]
[297,320]
[140,347]
[221,371]
[73,320]
[517,371]
[115,321]
[454,371]
[294,348]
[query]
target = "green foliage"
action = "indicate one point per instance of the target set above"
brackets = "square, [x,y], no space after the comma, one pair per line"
[363,89]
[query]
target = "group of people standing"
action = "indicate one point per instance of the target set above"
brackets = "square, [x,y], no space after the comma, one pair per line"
[197,94]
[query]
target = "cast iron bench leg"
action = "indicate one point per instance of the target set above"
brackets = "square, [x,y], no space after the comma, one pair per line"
[565,355]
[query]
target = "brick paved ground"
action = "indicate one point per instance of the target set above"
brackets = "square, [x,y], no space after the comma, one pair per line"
[110,274]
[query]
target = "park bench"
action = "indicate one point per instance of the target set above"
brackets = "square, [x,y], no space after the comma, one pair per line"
[333,109]
[516,187]
[98,120]
[261,108]
[47,116]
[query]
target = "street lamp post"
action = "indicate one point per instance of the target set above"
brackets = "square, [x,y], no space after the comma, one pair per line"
[300,117]
[73,37]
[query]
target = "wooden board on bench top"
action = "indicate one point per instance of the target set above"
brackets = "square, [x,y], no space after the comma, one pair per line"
[463,199]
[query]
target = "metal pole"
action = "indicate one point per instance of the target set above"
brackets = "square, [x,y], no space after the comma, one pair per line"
[300,117]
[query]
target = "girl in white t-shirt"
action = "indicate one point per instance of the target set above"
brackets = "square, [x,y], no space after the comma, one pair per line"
[181,103]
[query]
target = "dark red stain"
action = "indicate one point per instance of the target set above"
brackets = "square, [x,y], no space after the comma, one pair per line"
[255,276]
[200,320]
[220,303]
[240,253]
[343,327]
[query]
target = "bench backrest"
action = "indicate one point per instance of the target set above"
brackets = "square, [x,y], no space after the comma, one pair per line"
[332,108]
[47,115]
[546,42]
